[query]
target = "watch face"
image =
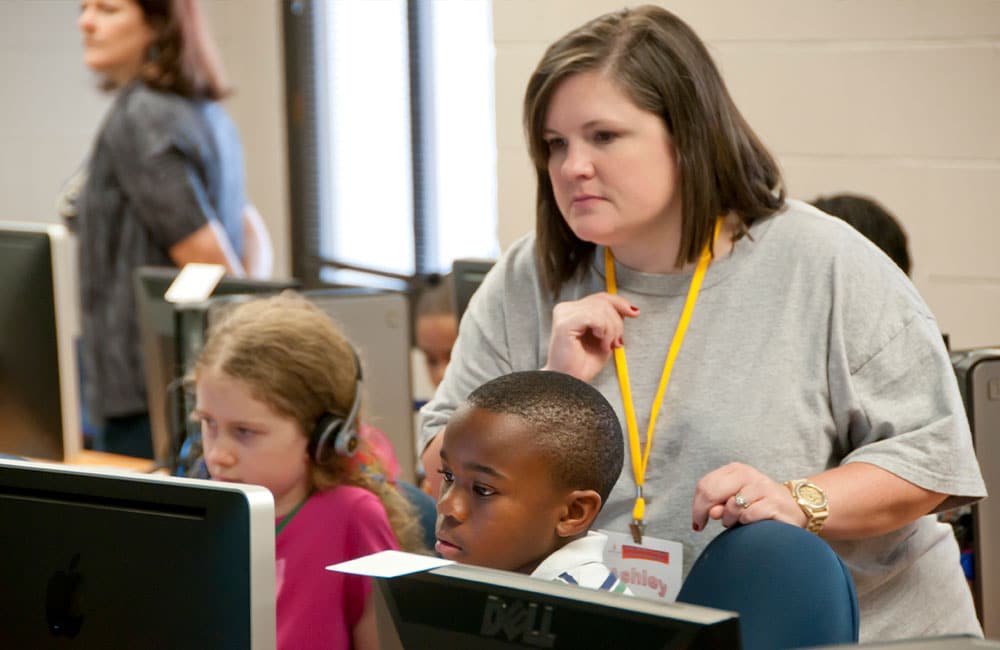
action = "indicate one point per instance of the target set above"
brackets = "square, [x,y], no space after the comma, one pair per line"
[812,495]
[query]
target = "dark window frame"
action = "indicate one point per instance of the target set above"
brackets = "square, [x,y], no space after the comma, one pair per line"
[309,180]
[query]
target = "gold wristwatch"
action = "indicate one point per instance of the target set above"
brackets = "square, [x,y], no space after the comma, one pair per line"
[812,500]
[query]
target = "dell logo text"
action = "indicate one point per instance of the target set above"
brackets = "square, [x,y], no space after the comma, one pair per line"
[528,622]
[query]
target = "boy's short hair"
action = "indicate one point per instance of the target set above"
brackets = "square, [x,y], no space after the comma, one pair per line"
[575,428]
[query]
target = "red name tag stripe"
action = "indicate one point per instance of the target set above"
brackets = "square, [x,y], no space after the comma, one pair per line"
[639,553]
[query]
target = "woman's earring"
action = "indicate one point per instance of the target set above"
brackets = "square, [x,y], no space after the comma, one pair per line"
[152,53]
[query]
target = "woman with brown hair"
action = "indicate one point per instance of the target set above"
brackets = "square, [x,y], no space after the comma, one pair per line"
[163,186]
[778,367]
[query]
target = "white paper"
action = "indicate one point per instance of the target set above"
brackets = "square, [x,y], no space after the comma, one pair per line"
[389,564]
[652,570]
[194,283]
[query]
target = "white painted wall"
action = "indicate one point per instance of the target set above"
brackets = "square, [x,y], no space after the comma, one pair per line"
[895,99]
[51,108]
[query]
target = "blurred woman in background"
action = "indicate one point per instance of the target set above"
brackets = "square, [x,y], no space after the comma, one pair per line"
[163,186]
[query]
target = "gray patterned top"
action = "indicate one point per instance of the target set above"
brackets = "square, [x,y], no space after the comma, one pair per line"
[161,167]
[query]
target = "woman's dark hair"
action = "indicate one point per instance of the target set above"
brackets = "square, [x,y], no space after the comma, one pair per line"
[871,219]
[664,68]
[182,58]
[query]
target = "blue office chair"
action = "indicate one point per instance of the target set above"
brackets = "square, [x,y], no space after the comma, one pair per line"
[426,510]
[788,586]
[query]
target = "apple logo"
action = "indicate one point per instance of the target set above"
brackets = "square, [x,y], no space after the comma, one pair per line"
[62,601]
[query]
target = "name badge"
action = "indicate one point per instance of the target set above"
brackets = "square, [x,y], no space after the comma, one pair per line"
[652,570]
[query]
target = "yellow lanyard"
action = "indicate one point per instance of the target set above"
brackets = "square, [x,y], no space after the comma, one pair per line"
[641,457]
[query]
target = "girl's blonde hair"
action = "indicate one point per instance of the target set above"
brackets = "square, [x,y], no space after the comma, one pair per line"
[295,360]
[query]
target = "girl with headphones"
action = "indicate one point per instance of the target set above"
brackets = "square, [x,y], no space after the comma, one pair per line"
[278,394]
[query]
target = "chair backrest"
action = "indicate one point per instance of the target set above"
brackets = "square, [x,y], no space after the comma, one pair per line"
[788,586]
[426,510]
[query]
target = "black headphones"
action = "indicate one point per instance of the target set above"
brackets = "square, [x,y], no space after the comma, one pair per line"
[343,430]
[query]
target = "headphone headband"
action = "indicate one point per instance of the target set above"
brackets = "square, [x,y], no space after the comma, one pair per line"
[343,430]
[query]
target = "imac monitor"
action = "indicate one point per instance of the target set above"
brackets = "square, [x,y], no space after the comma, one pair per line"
[377,324]
[467,275]
[96,559]
[158,325]
[461,606]
[39,322]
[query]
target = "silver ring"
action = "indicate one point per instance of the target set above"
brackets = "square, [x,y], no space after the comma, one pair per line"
[741,501]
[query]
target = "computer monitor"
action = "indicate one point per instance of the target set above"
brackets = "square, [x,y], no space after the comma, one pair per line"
[159,322]
[96,559]
[377,324]
[950,642]
[461,606]
[39,324]
[467,275]
[978,373]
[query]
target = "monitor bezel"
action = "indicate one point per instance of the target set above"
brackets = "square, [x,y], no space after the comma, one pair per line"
[467,275]
[474,581]
[99,481]
[66,316]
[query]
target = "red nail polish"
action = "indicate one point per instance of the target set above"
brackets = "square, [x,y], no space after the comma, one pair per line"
[695,527]
[634,308]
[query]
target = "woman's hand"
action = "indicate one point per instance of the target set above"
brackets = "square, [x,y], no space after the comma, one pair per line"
[585,332]
[762,498]
[867,500]
[258,250]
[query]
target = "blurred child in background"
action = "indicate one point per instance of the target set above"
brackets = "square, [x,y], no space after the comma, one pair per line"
[436,325]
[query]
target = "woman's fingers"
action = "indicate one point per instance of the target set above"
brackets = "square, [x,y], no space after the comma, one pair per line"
[585,332]
[601,313]
[740,494]
[712,492]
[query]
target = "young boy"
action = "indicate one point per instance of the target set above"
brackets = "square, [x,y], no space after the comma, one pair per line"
[527,462]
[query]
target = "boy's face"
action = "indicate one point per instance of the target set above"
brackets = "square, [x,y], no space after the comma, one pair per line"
[498,506]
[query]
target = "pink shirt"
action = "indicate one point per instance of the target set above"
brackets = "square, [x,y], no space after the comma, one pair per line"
[375,446]
[317,608]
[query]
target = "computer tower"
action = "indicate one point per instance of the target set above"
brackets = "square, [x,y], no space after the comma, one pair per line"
[378,325]
[978,373]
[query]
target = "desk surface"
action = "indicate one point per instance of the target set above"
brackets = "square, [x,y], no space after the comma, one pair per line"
[89,457]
